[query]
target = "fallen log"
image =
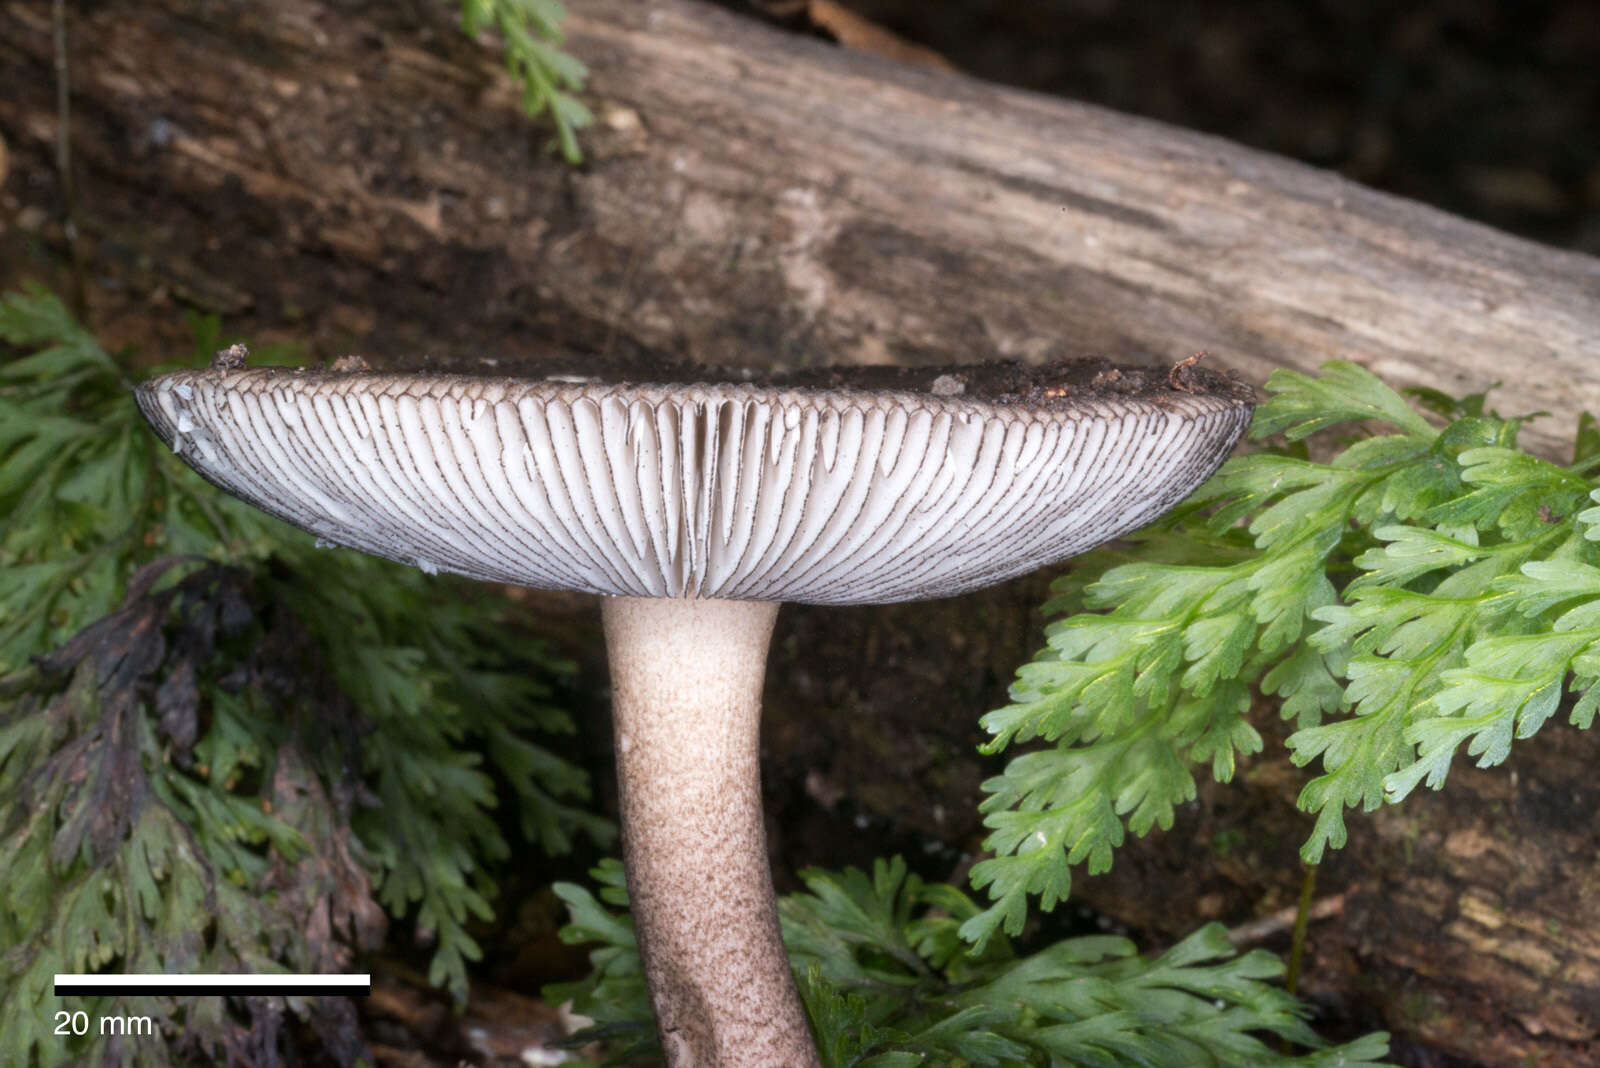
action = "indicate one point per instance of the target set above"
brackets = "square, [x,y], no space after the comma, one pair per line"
[753,197]
[358,177]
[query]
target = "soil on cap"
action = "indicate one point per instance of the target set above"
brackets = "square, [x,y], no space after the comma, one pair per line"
[1062,383]
[1036,386]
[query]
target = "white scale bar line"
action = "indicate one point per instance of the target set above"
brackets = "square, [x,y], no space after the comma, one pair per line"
[160,982]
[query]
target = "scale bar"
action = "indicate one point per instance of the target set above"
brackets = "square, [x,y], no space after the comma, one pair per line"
[216,983]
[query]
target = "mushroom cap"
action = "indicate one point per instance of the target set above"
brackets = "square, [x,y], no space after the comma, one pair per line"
[771,492]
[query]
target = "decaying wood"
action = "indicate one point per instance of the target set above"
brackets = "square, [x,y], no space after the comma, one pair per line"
[357,177]
[753,197]
[1282,922]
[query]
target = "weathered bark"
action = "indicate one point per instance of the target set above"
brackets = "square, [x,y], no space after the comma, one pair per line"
[356,176]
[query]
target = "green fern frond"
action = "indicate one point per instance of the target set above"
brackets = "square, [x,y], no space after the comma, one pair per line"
[887,980]
[531,33]
[204,719]
[1419,592]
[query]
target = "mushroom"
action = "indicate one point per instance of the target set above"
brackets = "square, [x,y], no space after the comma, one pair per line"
[694,508]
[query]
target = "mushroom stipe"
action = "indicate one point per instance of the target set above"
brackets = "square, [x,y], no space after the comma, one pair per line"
[695,506]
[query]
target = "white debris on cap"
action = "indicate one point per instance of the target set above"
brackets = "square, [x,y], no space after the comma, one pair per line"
[730,490]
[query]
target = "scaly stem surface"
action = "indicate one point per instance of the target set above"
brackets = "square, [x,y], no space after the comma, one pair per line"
[686,678]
